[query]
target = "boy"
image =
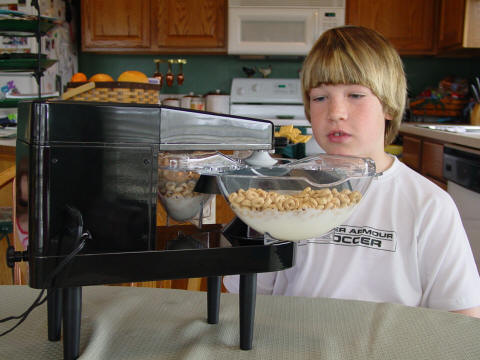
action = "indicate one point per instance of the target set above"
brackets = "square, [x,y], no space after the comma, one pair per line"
[354,91]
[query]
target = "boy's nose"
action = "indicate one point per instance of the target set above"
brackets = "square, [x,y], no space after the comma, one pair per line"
[337,110]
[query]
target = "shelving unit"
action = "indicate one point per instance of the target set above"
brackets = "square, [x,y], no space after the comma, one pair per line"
[23,25]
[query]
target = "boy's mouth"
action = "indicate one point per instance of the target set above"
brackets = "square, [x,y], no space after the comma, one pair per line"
[338,136]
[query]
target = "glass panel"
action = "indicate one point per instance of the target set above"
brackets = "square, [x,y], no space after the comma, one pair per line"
[273,31]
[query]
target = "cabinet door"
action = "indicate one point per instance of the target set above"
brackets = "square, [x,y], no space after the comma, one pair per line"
[115,24]
[409,25]
[450,29]
[432,159]
[412,152]
[190,26]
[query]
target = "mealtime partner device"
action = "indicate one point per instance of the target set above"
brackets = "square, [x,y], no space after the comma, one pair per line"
[89,176]
[92,174]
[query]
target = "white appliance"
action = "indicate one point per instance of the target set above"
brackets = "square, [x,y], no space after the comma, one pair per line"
[280,27]
[277,100]
[461,167]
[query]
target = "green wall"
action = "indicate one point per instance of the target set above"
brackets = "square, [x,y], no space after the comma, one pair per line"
[205,73]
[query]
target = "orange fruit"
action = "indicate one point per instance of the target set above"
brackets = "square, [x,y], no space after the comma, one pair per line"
[100,78]
[78,77]
[133,76]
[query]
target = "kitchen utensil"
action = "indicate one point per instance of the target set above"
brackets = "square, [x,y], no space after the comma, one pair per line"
[157,74]
[218,102]
[180,76]
[298,200]
[169,77]
[475,93]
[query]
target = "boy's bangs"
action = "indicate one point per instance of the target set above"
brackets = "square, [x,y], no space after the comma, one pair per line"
[335,67]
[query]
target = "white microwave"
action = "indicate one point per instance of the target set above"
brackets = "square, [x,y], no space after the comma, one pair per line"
[280,27]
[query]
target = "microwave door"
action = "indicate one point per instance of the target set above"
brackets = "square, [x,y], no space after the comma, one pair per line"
[271,31]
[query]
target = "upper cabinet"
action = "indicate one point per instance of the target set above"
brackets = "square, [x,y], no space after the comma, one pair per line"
[409,25]
[458,25]
[154,26]
[190,25]
[115,25]
[421,27]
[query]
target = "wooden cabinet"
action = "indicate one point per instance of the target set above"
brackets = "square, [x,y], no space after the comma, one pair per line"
[458,25]
[408,25]
[422,27]
[154,26]
[450,29]
[189,25]
[424,156]
[412,152]
[115,24]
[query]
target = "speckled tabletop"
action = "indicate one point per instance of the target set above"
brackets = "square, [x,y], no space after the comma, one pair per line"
[144,323]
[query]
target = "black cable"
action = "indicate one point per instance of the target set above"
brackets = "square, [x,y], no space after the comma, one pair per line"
[48,282]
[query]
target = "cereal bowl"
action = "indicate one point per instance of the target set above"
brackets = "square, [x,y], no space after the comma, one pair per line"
[300,200]
[178,174]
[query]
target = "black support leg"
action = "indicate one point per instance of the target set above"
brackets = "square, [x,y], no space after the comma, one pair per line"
[248,294]
[54,314]
[213,299]
[72,313]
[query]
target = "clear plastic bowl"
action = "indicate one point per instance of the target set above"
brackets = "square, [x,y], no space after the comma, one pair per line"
[178,174]
[300,200]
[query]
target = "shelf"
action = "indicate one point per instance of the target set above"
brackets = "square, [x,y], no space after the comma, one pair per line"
[13,103]
[14,23]
[16,65]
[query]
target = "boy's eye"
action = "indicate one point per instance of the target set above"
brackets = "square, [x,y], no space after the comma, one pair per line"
[356,95]
[318,98]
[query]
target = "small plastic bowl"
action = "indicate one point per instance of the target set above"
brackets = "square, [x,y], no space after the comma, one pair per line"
[178,174]
[299,201]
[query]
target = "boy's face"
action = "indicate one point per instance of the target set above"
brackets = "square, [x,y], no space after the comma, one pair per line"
[348,120]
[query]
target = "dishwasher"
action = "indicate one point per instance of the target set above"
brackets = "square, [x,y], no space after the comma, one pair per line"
[461,169]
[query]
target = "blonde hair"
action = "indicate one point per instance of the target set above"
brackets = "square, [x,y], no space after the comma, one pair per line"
[360,56]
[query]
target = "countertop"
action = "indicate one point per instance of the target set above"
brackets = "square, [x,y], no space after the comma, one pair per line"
[147,323]
[466,139]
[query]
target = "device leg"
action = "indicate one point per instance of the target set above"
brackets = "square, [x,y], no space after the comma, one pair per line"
[72,313]
[213,298]
[54,313]
[248,294]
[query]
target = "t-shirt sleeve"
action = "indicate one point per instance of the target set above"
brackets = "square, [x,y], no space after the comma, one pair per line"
[265,283]
[449,275]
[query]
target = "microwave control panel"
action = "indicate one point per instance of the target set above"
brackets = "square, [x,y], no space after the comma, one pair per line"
[329,18]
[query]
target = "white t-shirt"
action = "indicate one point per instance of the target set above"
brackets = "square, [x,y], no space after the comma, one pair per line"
[405,244]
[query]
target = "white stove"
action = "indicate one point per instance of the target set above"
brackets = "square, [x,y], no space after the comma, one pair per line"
[277,100]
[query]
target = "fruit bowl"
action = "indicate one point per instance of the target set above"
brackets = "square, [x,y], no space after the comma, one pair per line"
[178,174]
[299,200]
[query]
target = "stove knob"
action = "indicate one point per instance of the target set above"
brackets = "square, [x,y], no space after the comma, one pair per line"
[254,87]
[240,91]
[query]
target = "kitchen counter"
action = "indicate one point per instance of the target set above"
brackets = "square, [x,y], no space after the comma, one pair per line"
[466,139]
[143,323]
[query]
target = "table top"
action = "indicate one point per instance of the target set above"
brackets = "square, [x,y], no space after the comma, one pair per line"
[146,323]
